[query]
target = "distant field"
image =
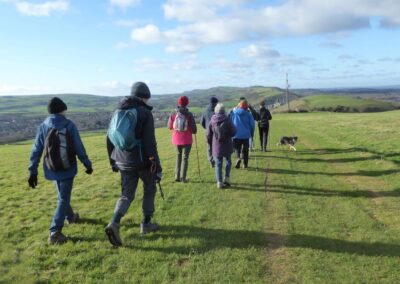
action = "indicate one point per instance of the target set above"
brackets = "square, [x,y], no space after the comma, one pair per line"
[341,104]
[328,213]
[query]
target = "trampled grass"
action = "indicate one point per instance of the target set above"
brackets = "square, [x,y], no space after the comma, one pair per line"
[328,213]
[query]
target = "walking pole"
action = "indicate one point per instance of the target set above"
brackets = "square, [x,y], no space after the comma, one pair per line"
[197,151]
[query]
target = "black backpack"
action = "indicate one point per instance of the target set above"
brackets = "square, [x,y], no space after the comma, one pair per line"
[59,153]
[222,131]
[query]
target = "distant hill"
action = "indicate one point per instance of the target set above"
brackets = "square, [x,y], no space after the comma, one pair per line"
[79,103]
[337,103]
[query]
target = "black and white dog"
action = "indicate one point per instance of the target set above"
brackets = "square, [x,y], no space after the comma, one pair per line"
[290,141]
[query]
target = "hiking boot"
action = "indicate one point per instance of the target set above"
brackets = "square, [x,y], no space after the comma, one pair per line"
[227,182]
[245,166]
[184,180]
[220,185]
[75,219]
[177,180]
[112,231]
[238,164]
[57,238]
[212,164]
[146,228]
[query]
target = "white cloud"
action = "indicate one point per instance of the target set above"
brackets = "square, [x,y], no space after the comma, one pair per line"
[205,22]
[258,51]
[147,34]
[124,4]
[7,89]
[41,9]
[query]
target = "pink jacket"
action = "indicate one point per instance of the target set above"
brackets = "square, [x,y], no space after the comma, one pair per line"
[185,137]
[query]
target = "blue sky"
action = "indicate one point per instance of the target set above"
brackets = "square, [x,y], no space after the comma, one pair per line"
[101,47]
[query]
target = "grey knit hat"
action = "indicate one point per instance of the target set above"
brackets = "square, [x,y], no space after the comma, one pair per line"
[140,90]
[219,108]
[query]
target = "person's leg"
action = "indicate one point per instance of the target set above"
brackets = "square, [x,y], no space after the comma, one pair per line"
[185,161]
[178,163]
[149,194]
[64,188]
[129,181]
[245,152]
[228,166]
[218,168]
[237,146]
[260,132]
[210,155]
[266,131]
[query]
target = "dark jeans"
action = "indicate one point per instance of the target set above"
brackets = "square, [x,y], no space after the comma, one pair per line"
[64,209]
[241,147]
[129,182]
[218,167]
[182,161]
[263,137]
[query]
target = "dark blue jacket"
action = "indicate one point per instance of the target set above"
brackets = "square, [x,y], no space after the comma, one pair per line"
[57,121]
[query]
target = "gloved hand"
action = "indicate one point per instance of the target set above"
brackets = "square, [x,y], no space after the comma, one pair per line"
[114,168]
[32,181]
[158,177]
[89,170]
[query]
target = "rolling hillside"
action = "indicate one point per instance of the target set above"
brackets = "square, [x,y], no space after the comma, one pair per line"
[337,103]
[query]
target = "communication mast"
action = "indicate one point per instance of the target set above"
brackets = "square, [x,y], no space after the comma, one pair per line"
[287,92]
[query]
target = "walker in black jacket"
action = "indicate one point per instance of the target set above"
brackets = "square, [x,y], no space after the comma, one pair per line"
[263,125]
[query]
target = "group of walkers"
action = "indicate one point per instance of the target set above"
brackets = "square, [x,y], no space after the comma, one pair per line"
[132,151]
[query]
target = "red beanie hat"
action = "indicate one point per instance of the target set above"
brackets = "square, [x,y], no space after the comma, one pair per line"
[183,101]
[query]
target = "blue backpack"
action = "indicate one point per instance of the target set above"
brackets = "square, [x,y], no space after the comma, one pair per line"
[122,129]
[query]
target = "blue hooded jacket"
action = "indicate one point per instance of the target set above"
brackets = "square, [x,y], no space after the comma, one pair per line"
[57,121]
[244,123]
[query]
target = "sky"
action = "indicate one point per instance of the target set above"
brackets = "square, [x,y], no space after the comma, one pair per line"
[101,47]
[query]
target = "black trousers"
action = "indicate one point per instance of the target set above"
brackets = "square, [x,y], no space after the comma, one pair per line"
[241,147]
[263,131]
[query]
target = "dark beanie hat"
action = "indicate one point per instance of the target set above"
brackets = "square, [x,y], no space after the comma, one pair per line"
[183,101]
[140,90]
[213,100]
[56,105]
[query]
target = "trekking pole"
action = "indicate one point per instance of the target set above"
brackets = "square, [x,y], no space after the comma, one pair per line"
[197,151]
[161,191]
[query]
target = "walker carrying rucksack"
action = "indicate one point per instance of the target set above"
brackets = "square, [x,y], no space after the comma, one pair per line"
[121,131]
[59,154]
[181,122]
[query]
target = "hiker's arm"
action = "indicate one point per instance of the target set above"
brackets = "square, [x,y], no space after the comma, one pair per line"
[232,129]
[193,125]
[37,151]
[209,134]
[79,148]
[149,140]
[269,115]
[170,122]
[110,149]
[252,125]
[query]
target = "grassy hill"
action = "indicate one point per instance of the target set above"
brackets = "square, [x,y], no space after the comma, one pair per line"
[341,104]
[327,213]
[89,103]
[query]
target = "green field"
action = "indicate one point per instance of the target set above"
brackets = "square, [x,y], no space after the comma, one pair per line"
[341,104]
[328,213]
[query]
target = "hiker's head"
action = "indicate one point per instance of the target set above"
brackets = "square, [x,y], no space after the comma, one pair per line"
[141,91]
[213,101]
[242,99]
[262,103]
[183,101]
[244,104]
[56,105]
[219,108]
